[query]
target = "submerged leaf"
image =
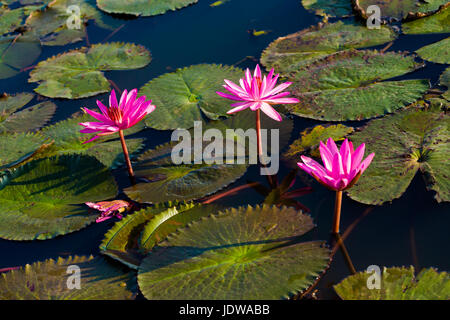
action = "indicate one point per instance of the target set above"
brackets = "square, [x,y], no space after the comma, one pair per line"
[397,284]
[28,119]
[45,198]
[49,280]
[237,254]
[142,7]
[404,143]
[17,53]
[78,73]
[346,86]
[436,52]
[290,52]
[188,95]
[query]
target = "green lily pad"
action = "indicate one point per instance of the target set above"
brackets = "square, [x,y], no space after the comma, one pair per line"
[160,180]
[108,150]
[444,80]
[397,284]
[400,9]
[48,280]
[19,148]
[130,238]
[10,20]
[78,73]
[438,52]
[17,53]
[237,254]
[290,52]
[188,95]
[346,86]
[310,138]
[436,23]
[45,198]
[333,8]
[51,23]
[144,8]
[404,143]
[28,119]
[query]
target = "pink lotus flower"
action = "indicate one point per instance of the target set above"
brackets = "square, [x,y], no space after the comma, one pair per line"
[109,209]
[118,116]
[342,168]
[258,93]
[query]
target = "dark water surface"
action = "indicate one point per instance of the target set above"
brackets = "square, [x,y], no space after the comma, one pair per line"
[413,230]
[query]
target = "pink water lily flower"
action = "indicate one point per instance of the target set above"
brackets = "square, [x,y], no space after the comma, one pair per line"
[109,209]
[118,116]
[258,93]
[342,167]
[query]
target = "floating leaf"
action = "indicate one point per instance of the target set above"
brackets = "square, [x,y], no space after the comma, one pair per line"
[436,52]
[310,138]
[69,140]
[397,284]
[160,180]
[137,233]
[45,197]
[400,9]
[290,52]
[188,95]
[411,140]
[237,254]
[17,53]
[48,280]
[333,8]
[10,20]
[345,86]
[28,119]
[444,80]
[51,23]
[436,23]
[78,73]
[18,148]
[142,7]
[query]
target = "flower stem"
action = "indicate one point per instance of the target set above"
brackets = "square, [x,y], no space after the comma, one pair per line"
[337,212]
[258,133]
[127,157]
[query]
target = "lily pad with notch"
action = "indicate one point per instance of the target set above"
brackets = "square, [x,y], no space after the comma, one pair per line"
[436,23]
[438,52]
[243,253]
[143,8]
[17,53]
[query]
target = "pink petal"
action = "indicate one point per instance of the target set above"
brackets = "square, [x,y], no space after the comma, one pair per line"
[113,99]
[102,108]
[326,156]
[257,72]
[282,101]
[98,116]
[357,156]
[229,96]
[267,109]
[366,162]
[346,156]
[242,106]
[338,168]
[255,106]
[332,146]
[280,88]
[234,86]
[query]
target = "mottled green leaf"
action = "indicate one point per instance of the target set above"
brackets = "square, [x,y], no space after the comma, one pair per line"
[290,52]
[160,180]
[69,140]
[399,9]
[333,8]
[436,23]
[444,80]
[346,85]
[10,20]
[232,255]
[404,143]
[436,52]
[310,138]
[142,7]
[18,148]
[78,73]
[397,284]
[45,198]
[48,280]
[188,95]
[28,119]
[17,53]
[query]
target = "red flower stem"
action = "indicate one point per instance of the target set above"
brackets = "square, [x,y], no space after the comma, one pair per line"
[337,212]
[258,133]
[229,192]
[127,157]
